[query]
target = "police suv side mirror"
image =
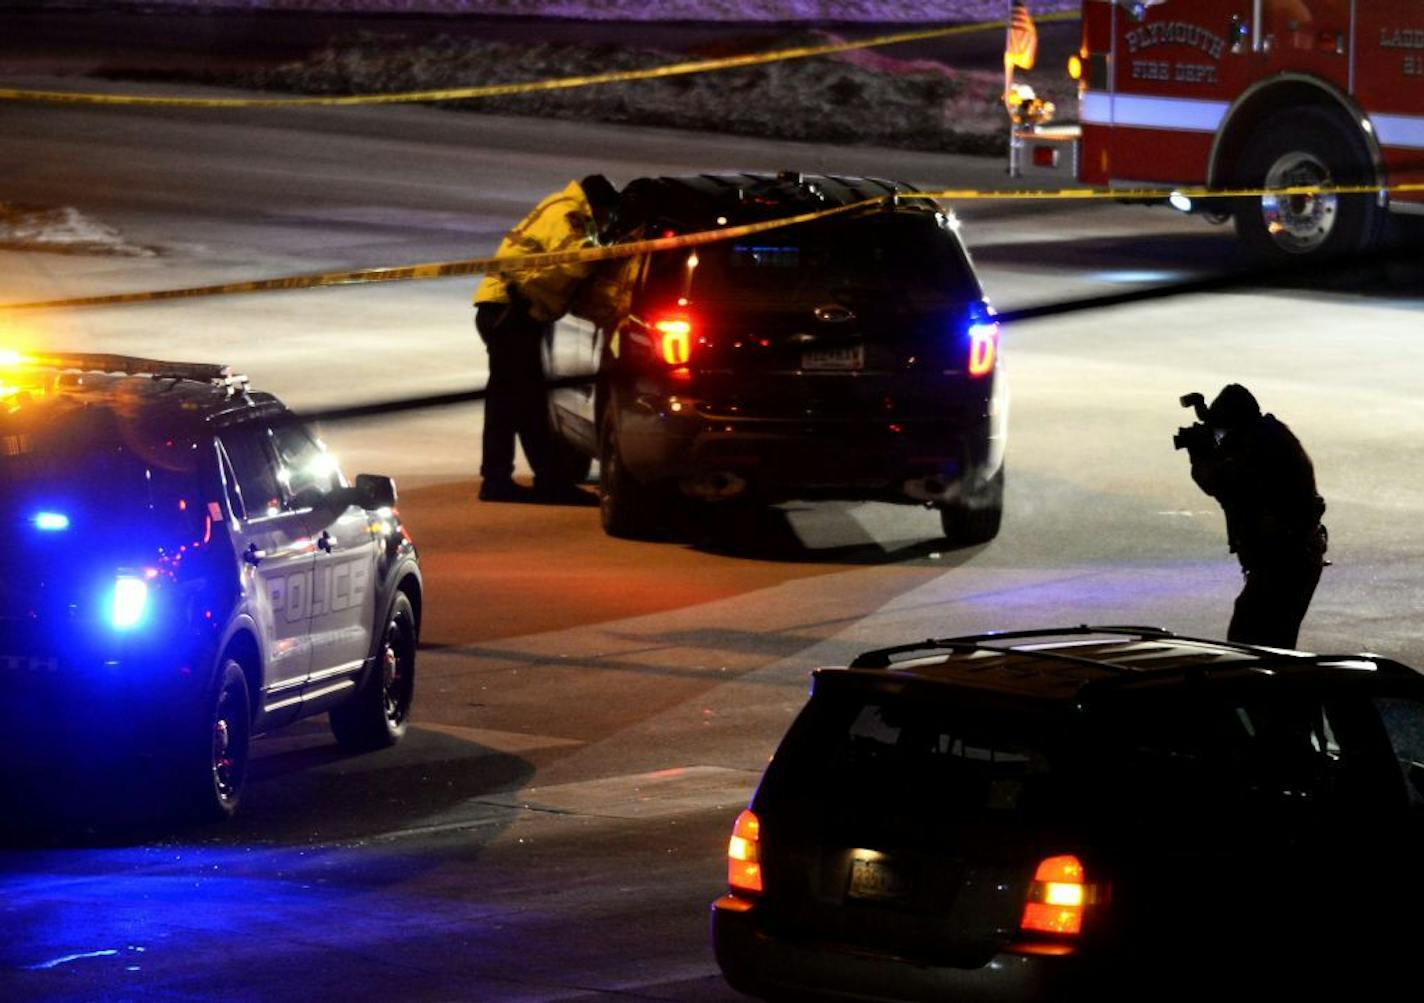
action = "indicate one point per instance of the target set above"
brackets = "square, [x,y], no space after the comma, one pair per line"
[375,491]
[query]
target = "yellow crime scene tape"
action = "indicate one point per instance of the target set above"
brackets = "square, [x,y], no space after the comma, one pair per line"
[535,262]
[529,87]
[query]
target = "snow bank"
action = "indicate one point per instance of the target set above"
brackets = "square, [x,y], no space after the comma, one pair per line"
[63,229]
[861,98]
[806,11]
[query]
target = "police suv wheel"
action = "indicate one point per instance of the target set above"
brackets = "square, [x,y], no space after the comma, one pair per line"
[626,507]
[215,771]
[1307,148]
[976,517]
[377,716]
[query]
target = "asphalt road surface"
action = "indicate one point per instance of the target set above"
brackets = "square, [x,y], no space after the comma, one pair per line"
[591,713]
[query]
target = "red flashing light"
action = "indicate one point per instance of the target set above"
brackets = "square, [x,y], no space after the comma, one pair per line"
[744,854]
[676,334]
[983,348]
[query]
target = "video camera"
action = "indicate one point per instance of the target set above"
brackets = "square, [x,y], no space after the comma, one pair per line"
[1197,437]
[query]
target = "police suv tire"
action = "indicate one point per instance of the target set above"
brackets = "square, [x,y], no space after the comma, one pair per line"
[976,517]
[626,507]
[214,771]
[1313,140]
[377,715]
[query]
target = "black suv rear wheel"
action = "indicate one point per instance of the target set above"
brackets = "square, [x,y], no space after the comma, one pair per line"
[977,515]
[377,716]
[627,507]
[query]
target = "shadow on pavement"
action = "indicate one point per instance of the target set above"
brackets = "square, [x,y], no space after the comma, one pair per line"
[301,790]
[1157,261]
[818,534]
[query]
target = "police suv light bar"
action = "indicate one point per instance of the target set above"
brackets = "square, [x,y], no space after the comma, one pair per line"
[130,365]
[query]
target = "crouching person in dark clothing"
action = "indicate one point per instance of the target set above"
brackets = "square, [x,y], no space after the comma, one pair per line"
[1261,475]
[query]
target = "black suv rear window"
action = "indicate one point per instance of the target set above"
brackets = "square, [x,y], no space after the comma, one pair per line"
[913,256]
[959,763]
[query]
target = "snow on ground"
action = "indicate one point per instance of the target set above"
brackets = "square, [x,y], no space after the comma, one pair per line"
[65,230]
[862,98]
[790,11]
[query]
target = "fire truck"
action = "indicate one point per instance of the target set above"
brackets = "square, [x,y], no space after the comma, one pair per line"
[1250,94]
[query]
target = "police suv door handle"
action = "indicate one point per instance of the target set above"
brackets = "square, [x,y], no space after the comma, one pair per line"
[325,542]
[252,555]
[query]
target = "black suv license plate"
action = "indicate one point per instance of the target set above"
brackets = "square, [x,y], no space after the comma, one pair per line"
[876,879]
[852,357]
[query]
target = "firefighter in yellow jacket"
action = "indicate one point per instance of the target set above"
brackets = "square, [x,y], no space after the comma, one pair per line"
[513,315]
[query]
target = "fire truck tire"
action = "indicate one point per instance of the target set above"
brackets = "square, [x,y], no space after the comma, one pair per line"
[1306,147]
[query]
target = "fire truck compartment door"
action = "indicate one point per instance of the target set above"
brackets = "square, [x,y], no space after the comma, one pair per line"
[1308,36]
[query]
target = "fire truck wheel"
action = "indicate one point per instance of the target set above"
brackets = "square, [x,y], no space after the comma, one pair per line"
[1306,148]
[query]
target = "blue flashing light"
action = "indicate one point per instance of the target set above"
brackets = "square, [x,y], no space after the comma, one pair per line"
[130,600]
[51,521]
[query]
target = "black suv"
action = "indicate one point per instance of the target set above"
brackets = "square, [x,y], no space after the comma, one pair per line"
[853,357]
[185,567]
[1096,812]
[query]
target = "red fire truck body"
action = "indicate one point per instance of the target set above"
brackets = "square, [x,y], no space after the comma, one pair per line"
[1258,93]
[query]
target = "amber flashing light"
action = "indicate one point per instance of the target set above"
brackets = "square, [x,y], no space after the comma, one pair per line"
[1056,897]
[744,854]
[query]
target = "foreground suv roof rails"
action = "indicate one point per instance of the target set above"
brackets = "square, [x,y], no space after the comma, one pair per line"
[1200,670]
[881,657]
[1130,630]
[129,365]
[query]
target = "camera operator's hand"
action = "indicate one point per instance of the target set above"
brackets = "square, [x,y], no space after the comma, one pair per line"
[1202,449]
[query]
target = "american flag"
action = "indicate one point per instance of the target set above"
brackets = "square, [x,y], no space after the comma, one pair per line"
[1021,46]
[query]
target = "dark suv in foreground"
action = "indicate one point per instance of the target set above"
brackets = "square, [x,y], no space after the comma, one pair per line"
[853,357]
[1090,813]
[184,567]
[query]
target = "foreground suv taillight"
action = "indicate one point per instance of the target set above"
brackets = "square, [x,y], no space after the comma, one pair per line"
[744,855]
[983,347]
[1057,897]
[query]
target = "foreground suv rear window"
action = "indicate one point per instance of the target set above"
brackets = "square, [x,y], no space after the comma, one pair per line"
[914,256]
[872,752]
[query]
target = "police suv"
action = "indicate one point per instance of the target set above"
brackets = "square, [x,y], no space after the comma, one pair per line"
[186,567]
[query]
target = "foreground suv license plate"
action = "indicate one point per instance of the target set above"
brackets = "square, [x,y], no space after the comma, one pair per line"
[835,358]
[876,879]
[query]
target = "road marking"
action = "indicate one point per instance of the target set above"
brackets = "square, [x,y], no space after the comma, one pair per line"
[500,741]
[677,791]
[681,790]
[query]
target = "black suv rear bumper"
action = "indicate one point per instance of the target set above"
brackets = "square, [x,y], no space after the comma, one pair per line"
[849,458]
[758,964]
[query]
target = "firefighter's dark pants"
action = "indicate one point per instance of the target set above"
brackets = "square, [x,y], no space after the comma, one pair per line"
[516,402]
[1273,601]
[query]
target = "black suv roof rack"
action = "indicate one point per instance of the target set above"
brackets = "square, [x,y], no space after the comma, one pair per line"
[131,365]
[882,658]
